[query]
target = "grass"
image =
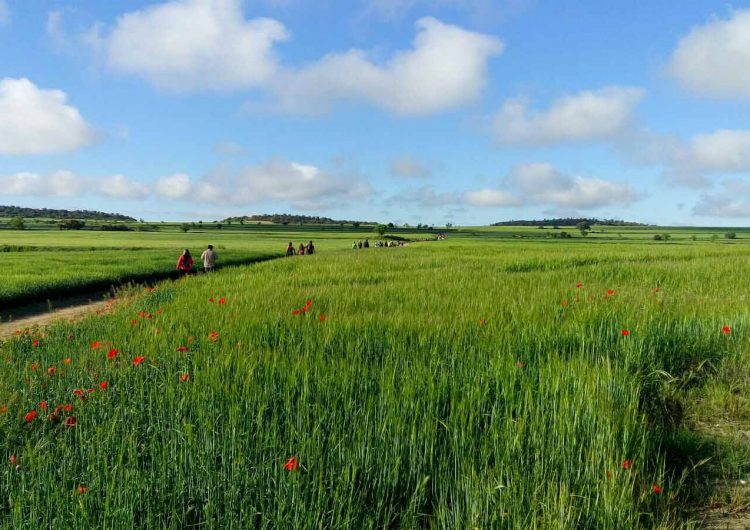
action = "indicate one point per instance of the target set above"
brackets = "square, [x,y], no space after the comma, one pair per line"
[456,384]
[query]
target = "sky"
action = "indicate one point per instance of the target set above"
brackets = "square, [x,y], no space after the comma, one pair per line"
[408,111]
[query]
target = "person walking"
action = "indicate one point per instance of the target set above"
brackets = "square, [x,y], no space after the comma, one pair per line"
[185,262]
[290,249]
[209,258]
[310,248]
[367,243]
[301,249]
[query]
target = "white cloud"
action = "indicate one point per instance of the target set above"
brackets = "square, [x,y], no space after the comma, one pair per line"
[194,45]
[724,204]
[276,180]
[426,197]
[714,59]
[542,183]
[69,184]
[491,198]
[446,68]
[409,167]
[35,121]
[587,116]
[4,14]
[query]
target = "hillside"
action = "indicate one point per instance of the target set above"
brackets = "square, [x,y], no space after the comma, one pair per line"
[285,218]
[567,221]
[48,213]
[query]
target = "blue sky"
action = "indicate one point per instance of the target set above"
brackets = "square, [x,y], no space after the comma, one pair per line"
[462,111]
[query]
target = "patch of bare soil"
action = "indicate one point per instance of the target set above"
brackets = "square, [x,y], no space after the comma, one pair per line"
[18,321]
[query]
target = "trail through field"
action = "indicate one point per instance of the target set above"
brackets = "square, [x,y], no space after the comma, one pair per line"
[43,314]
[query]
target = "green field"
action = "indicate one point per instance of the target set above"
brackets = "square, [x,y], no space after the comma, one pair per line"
[478,382]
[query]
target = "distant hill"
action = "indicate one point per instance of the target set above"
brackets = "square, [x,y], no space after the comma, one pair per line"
[567,221]
[286,218]
[47,213]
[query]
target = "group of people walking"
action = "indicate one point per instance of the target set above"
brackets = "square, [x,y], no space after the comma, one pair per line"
[301,251]
[185,261]
[366,244]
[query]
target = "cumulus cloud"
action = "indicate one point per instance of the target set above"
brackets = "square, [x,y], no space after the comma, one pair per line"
[4,14]
[445,69]
[69,184]
[194,45]
[728,202]
[714,58]
[587,116]
[409,167]
[301,185]
[36,121]
[491,198]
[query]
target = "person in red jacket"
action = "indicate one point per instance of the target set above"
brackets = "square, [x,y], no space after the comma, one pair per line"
[185,263]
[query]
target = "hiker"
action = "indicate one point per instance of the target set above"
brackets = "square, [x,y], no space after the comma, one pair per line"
[301,250]
[290,249]
[359,243]
[310,248]
[354,246]
[367,243]
[209,258]
[185,262]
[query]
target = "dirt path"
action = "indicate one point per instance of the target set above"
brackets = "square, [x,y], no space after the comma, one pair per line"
[43,314]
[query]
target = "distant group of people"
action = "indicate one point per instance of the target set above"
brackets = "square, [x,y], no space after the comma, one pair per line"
[302,250]
[366,244]
[185,261]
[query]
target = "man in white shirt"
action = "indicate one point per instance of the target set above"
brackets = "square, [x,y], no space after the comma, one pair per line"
[209,258]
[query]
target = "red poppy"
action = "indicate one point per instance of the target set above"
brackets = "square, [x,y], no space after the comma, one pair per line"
[35,343]
[71,421]
[726,330]
[295,312]
[579,285]
[13,460]
[68,407]
[184,377]
[34,366]
[51,370]
[96,345]
[565,303]
[138,360]
[182,349]
[482,321]
[43,405]
[609,474]
[322,317]
[79,392]
[133,322]
[610,292]
[519,364]
[58,409]
[103,385]
[31,416]
[142,314]
[222,301]
[656,289]
[66,361]
[292,464]
[82,489]
[159,311]
[211,299]
[112,353]
[54,417]
[656,489]
[626,464]
[308,303]
[625,333]
[4,409]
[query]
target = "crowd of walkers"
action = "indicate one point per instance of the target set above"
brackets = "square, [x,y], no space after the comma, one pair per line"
[302,250]
[378,244]
[185,261]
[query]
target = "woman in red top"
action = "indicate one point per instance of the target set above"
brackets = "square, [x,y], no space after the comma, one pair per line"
[185,263]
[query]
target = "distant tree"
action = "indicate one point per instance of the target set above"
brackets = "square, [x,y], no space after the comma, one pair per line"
[658,237]
[714,237]
[391,225]
[540,227]
[185,227]
[17,223]
[730,235]
[71,224]
[219,226]
[694,237]
[356,224]
[380,229]
[584,227]
[448,225]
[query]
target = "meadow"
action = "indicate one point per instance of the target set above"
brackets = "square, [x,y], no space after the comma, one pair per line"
[477,382]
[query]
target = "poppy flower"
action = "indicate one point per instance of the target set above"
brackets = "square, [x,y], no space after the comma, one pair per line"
[322,317]
[482,321]
[184,377]
[726,330]
[579,285]
[138,360]
[159,311]
[66,361]
[182,349]
[626,464]
[96,345]
[222,301]
[82,489]
[34,366]
[68,407]
[54,417]
[13,460]
[211,299]
[43,405]
[308,303]
[609,474]
[133,322]
[142,314]
[58,409]
[656,289]
[610,292]
[295,312]
[71,421]
[103,385]
[79,392]
[35,343]
[51,370]
[112,353]
[565,303]
[4,409]
[519,364]
[625,333]
[31,416]
[292,464]
[656,489]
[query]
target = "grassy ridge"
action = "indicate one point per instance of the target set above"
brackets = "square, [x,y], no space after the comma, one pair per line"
[449,386]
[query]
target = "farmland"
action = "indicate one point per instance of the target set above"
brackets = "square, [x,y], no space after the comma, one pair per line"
[478,382]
